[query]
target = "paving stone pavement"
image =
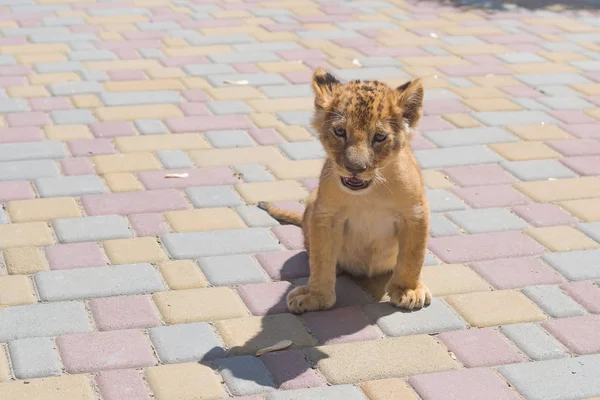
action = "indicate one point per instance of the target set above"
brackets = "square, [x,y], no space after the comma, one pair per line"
[119,283]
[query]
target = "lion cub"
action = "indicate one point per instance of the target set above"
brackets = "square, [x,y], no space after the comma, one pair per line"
[369,214]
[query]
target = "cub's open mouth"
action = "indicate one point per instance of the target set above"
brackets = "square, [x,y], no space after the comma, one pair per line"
[355,183]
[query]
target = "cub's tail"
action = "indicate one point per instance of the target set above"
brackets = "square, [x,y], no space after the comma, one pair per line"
[291,217]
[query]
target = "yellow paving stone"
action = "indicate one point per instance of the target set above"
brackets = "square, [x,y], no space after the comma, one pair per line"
[497,307]
[562,238]
[593,113]
[144,85]
[293,133]
[165,72]
[587,210]
[134,250]
[67,132]
[589,89]
[462,16]
[407,40]
[115,19]
[132,162]
[434,61]
[131,113]
[472,30]
[277,105]
[283,66]
[174,42]
[109,36]
[246,155]
[264,36]
[188,381]
[480,93]
[461,120]
[297,169]
[122,64]
[35,48]
[495,81]
[4,368]
[421,71]
[548,68]
[388,389]
[8,24]
[562,56]
[521,151]
[196,305]
[561,189]
[477,49]
[44,79]
[153,143]
[196,51]
[195,83]
[54,388]
[434,179]
[429,82]
[86,101]
[27,91]
[205,219]
[182,274]
[491,104]
[16,290]
[123,182]
[235,93]
[31,210]
[25,235]
[381,359]
[25,260]
[266,120]
[247,335]
[447,279]
[254,192]
[538,132]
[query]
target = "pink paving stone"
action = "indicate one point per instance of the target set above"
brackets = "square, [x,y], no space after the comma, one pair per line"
[544,214]
[521,91]
[583,130]
[474,70]
[112,129]
[15,190]
[133,35]
[484,246]
[77,166]
[581,335]
[123,312]
[196,177]
[572,116]
[91,352]
[282,265]
[290,236]
[208,123]
[295,206]
[481,347]
[194,109]
[524,38]
[198,95]
[298,77]
[246,68]
[310,183]
[439,107]
[126,75]
[595,76]
[421,143]
[479,175]
[284,27]
[588,165]
[341,325]
[316,63]
[12,81]
[265,298]
[76,255]
[85,29]
[122,384]
[126,54]
[484,60]
[338,10]
[50,103]
[393,52]
[491,196]
[356,43]
[10,41]
[129,44]
[309,19]
[265,136]
[434,123]
[27,119]
[150,201]
[222,23]
[21,134]
[290,370]
[578,147]
[89,147]
[148,224]
[293,55]
[14,70]
[585,293]
[513,273]
[184,60]
[463,384]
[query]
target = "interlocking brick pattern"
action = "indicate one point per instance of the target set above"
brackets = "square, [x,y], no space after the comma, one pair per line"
[118,282]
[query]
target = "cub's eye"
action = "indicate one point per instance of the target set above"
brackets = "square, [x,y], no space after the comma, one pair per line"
[380,137]
[339,131]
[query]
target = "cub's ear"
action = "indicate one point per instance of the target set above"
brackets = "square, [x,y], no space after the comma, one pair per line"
[323,84]
[409,98]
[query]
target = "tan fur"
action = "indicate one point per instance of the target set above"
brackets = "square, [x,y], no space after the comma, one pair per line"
[378,229]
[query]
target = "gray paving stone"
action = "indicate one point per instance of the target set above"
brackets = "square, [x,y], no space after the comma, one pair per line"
[232,270]
[70,186]
[553,301]
[243,58]
[254,173]
[439,225]
[575,265]
[7,59]
[227,139]
[441,200]
[328,35]
[461,40]
[84,283]
[500,118]
[563,46]
[338,392]
[245,375]
[456,156]
[521,58]
[566,103]
[378,62]
[186,343]
[436,50]
[228,241]
[430,259]
[62,21]
[487,220]
[151,126]
[34,358]
[587,65]
[73,117]
[529,104]
[213,196]
[158,26]
[552,79]
[367,25]
[303,150]
[364,74]
[563,379]
[221,39]
[174,159]
[470,136]
[536,170]
[151,53]
[3,217]
[461,82]
[30,31]
[34,8]
[435,318]
[137,98]
[208,69]
[13,105]
[48,149]
[255,217]
[278,92]
[44,320]
[226,107]
[28,170]
[302,118]
[91,229]
[592,229]
[62,38]
[253,79]
[266,46]
[73,88]
[118,11]
[92,55]
[558,91]
[534,341]
[441,94]
[55,67]
[269,12]
[96,75]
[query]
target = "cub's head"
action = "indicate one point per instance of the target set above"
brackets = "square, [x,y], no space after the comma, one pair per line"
[363,125]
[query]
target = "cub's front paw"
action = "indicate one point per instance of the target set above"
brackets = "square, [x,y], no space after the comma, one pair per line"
[302,300]
[409,299]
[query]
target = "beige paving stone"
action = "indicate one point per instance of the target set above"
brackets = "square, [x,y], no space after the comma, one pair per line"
[196,51]
[131,113]
[587,210]
[434,61]
[480,93]
[182,274]
[589,89]
[131,162]
[35,48]
[195,83]
[297,169]
[266,120]
[497,307]
[4,368]
[448,279]
[381,358]
[472,30]
[434,179]
[144,85]
[593,113]
[293,133]
[254,192]
[235,93]
[25,260]
[561,189]
[16,290]
[241,155]
[477,49]
[44,79]
[562,238]
[277,105]
[188,381]
[54,388]
[153,143]
[123,182]
[421,71]
[27,92]
[548,68]
[115,19]
[86,101]
[206,219]
[283,66]
[195,305]
[495,81]
[122,64]
[31,210]
[538,132]
[165,72]
[247,335]
[134,250]
[562,56]
[492,104]
[462,120]
[388,389]
[67,132]
[174,42]
[521,151]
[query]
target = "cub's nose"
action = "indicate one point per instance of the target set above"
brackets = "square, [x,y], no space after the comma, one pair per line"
[355,168]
